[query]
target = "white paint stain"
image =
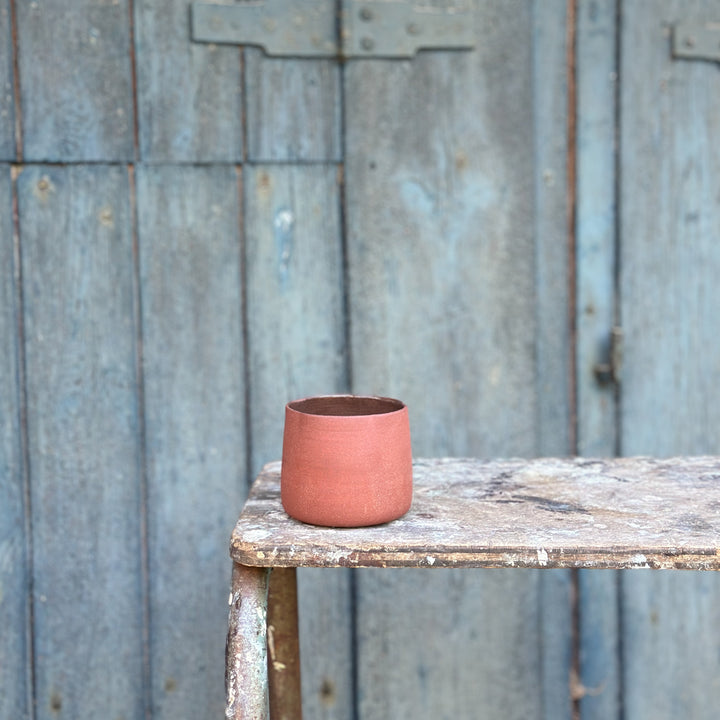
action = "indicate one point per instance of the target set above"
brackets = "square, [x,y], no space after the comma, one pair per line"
[430,560]
[639,560]
[542,557]
[255,535]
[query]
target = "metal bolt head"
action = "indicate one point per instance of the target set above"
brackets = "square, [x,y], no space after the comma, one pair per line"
[43,184]
[689,41]
[367,43]
[413,29]
[366,14]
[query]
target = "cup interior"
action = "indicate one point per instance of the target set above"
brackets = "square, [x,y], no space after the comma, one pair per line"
[346,405]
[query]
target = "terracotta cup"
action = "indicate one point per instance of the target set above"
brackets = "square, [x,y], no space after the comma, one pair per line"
[346,460]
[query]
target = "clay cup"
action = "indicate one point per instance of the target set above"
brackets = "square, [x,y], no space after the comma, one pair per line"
[347,460]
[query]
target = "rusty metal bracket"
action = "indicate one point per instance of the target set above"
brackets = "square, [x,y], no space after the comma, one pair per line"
[696,41]
[310,28]
[610,372]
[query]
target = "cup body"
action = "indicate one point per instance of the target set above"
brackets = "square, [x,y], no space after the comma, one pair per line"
[347,460]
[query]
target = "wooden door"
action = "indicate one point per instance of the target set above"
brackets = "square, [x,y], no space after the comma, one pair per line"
[647,262]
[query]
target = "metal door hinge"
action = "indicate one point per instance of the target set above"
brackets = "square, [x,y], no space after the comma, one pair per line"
[310,28]
[609,372]
[696,41]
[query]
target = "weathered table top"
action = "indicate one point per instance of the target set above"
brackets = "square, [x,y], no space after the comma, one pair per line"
[545,513]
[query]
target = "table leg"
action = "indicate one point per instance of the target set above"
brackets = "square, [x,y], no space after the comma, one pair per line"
[246,679]
[284,646]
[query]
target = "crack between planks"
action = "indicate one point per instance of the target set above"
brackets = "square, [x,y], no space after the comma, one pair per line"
[618,323]
[133,79]
[245,330]
[19,148]
[24,447]
[571,65]
[142,468]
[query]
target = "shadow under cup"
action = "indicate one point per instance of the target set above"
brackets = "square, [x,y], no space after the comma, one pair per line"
[347,460]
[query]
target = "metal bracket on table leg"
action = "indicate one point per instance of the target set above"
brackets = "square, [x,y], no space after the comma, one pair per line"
[246,676]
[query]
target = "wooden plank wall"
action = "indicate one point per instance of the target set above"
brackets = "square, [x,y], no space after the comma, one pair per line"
[669,299]
[191,235]
[442,244]
[649,646]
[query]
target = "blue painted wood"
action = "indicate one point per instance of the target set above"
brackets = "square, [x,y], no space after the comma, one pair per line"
[14,568]
[189,94]
[293,107]
[552,331]
[443,282]
[193,364]
[7,85]
[552,267]
[296,342]
[669,300]
[599,681]
[75,80]
[83,440]
[595,225]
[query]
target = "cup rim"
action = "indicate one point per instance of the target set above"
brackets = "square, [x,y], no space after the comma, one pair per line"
[332,406]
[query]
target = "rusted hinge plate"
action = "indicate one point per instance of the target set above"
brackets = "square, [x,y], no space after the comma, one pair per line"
[696,41]
[310,28]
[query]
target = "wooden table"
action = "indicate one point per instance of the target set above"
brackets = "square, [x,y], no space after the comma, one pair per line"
[623,513]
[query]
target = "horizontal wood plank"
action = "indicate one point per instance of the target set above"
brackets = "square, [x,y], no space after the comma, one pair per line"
[544,513]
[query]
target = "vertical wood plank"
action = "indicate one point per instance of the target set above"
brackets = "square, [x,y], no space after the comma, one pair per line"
[552,333]
[75,80]
[14,570]
[595,300]
[83,440]
[443,275]
[595,225]
[296,345]
[670,182]
[293,107]
[190,281]
[550,109]
[189,94]
[7,85]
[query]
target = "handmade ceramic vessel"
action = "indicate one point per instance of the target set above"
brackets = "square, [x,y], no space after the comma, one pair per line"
[347,460]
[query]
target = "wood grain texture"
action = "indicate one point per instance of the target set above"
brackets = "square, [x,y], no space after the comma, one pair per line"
[595,223]
[14,566]
[75,80]
[83,440]
[189,94]
[552,331]
[7,85]
[442,266]
[293,107]
[670,183]
[296,340]
[190,281]
[597,77]
[542,513]
[552,343]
